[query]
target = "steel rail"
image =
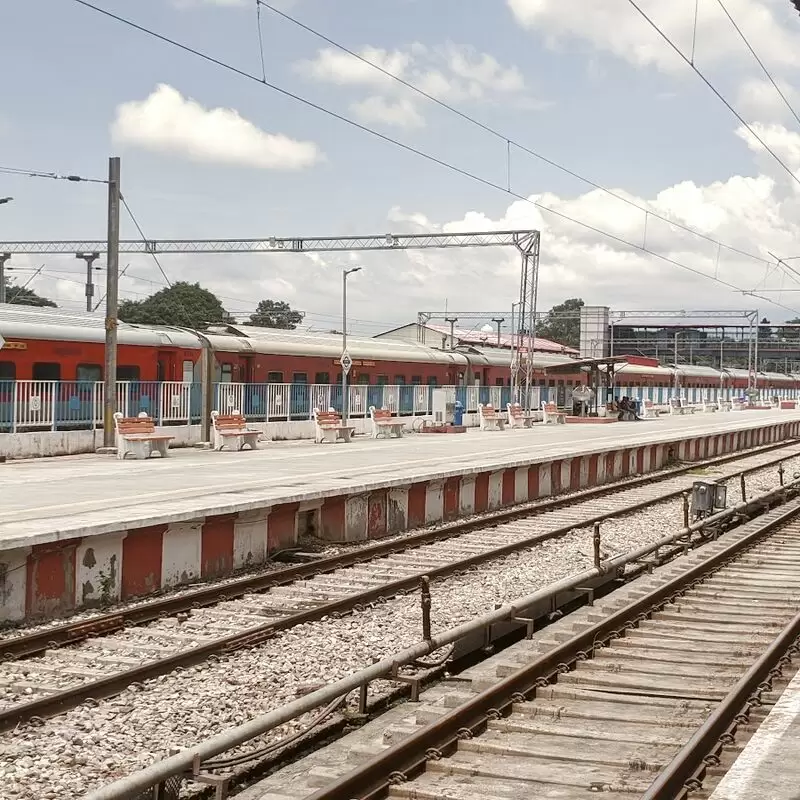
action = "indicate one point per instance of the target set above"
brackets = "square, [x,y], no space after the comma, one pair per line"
[690,762]
[71,633]
[372,780]
[187,760]
[102,688]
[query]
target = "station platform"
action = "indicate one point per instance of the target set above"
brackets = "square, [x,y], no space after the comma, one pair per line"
[769,766]
[81,530]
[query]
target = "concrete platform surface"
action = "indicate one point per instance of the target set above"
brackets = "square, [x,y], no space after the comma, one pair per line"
[50,499]
[769,766]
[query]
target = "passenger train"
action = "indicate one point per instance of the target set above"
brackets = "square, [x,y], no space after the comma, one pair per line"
[43,344]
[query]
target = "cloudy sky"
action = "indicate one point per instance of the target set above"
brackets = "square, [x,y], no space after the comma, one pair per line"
[210,153]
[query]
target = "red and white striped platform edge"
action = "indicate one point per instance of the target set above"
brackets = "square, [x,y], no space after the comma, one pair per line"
[56,577]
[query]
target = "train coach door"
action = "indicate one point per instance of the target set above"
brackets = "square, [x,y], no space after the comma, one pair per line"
[166,366]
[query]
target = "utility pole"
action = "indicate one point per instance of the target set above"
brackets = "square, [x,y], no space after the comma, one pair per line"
[345,361]
[3,258]
[498,321]
[89,258]
[112,301]
[452,321]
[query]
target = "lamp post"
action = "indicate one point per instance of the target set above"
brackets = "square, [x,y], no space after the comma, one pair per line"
[3,258]
[89,258]
[675,361]
[345,360]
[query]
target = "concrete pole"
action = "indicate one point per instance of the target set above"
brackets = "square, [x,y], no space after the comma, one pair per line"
[345,398]
[452,321]
[3,258]
[112,302]
[499,321]
[89,258]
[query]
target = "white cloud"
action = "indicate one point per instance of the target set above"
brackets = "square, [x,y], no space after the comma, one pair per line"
[784,143]
[617,28]
[167,122]
[400,113]
[451,73]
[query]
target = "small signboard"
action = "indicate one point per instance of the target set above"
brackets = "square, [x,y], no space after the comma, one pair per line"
[346,362]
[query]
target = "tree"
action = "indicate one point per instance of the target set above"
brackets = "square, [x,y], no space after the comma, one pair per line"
[186,304]
[563,323]
[764,333]
[22,296]
[792,334]
[275,314]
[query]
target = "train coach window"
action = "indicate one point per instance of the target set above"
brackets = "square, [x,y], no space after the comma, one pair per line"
[226,373]
[322,377]
[188,371]
[8,371]
[499,382]
[274,377]
[382,380]
[433,381]
[399,380]
[128,373]
[416,380]
[89,373]
[45,371]
[363,379]
[300,377]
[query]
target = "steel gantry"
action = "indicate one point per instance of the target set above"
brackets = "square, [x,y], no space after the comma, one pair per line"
[522,240]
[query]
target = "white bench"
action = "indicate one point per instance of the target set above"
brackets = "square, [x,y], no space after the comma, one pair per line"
[517,418]
[678,406]
[137,436]
[384,424]
[723,405]
[489,419]
[328,427]
[551,414]
[738,405]
[709,406]
[232,429]
[648,410]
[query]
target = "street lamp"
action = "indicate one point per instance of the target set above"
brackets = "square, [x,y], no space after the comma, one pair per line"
[345,360]
[677,380]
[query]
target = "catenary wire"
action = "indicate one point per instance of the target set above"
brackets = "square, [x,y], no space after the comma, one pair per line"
[504,137]
[760,62]
[713,88]
[409,148]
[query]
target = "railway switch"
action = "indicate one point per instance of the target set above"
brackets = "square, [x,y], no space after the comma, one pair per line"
[707,497]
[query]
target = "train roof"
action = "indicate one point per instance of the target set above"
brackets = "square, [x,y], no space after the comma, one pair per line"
[694,371]
[272,341]
[26,322]
[626,368]
[498,357]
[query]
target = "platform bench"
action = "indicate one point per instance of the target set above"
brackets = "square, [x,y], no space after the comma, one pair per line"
[723,405]
[232,429]
[552,415]
[489,419]
[709,406]
[518,418]
[677,406]
[649,410]
[328,427]
[384,424]
[137,436]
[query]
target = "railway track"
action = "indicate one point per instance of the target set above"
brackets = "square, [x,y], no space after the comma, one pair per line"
[41,677]
[636,697]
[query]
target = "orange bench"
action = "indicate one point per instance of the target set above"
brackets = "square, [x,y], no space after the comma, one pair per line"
[551,414]
[517,418]
[384,424]
[233,428]
[328,427]
[489,419]
[137,435]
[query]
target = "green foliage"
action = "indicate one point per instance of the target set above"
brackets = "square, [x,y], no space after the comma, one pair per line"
[275,314]
[17,295]
[185,304]
[563,323]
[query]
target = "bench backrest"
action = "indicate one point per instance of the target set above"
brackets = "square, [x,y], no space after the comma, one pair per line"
[647,403]
[229,421]
[550,408]
[488,411]
[515,409]
[327,418]
[381,413]
[127,425]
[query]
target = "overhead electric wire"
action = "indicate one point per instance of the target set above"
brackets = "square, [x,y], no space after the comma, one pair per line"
[509,140]
[144,239]
[408,148]
[36,173]
[713,88]
[760,62]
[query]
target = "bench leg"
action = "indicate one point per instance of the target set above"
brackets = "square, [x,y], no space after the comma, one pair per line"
[345,436]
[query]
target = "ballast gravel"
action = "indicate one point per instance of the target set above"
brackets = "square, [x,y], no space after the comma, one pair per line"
[90,746]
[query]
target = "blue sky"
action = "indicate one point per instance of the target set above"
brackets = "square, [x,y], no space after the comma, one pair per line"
[584,82]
